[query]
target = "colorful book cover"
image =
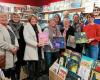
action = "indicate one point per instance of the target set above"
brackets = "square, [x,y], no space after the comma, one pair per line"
[95,75]
[43,38]
[75,56]
[62,72]
[55,67]
[71,41]
[73,65]
[85,67]
[58,42]
[80,37]
[72,76]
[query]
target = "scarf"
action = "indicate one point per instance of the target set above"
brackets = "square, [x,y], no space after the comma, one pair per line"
[39,48]
[15,27]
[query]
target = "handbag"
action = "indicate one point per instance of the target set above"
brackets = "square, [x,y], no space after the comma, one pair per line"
[2,61]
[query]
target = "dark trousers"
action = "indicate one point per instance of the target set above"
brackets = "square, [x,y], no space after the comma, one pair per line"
[50,58]
[33,70]
[79,48]
[20,62]
[10,73]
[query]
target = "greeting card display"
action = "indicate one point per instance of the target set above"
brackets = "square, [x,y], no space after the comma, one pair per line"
[85,67]
[58,42]
[43,38]
[80,37]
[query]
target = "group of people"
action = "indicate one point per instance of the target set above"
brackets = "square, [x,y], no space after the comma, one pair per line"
[20,42]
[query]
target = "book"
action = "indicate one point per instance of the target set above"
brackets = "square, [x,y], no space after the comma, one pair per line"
[43,38]
[95,75]
[58,42]
[62,72]
[80,37]
[72,65]
[72,76]
[71,41]
[85,67]
[55,68]
[75,56]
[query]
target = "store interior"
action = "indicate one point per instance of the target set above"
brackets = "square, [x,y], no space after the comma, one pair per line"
[70,65]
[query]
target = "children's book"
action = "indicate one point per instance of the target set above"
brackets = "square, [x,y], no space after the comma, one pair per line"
[72,76]
[80,37]
[62,72]
[43,38]
[95,75]
[85,67]
[58,42]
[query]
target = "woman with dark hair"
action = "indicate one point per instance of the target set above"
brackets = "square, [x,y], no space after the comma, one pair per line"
[33,49]
[58,22]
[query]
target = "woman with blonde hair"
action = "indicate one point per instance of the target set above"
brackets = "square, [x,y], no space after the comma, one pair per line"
[8,46]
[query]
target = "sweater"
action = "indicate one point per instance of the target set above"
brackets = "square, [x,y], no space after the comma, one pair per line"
[92,31]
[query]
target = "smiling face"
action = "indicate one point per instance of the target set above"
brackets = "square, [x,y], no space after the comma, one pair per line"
[16,18]
[3,19]
[52,23]
[33,20]
[90,19]
[66,22]
[76,18]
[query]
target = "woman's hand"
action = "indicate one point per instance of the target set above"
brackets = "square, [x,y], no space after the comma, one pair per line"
[14,50]
[90,40]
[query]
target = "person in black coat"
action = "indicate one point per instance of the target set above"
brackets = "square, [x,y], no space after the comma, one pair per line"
[17,28]
[68,34]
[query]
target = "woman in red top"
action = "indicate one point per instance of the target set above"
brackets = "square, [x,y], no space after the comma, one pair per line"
[93,34]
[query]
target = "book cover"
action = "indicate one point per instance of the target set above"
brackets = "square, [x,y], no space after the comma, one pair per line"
[73,65]
[58,42]
[95,75]
[62,72]
[75,56]
[72,76]
[55,67]
[43,38]
[71,41]
[85,67]
[80,37]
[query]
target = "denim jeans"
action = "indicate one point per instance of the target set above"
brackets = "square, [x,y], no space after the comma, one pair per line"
[92,51]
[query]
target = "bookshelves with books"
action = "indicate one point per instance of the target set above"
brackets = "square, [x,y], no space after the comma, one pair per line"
[23,10]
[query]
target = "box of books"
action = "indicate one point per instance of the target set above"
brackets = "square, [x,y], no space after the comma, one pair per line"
[80,37]
[85,67]
[57,72]
[58,42]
